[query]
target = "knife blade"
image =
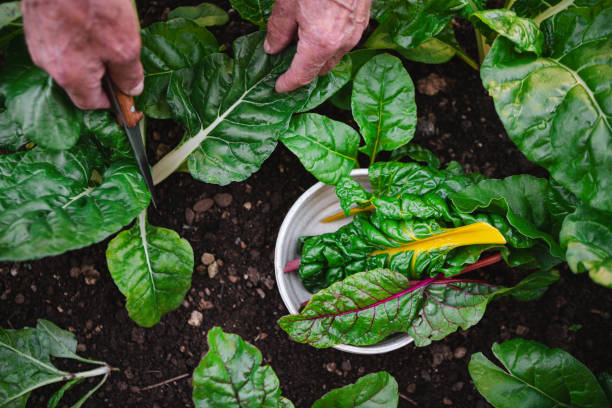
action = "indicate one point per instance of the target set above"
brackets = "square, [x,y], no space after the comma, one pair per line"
[129,117]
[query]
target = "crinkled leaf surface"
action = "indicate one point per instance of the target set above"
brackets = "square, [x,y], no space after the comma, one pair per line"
[367,307]
[587,236]
[376,390]
[232,114]
[38,109]
[383,104]
[170,49]
[25,365]
[205,14]
[533,375]
[523,32]
[326,148]
[55,201]
[231,376]
[556,107]
[520,199]
[327,85]
[256,11]
[342,98]
[152,267]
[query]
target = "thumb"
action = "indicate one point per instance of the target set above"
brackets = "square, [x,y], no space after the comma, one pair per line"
[128,76]
[282,26]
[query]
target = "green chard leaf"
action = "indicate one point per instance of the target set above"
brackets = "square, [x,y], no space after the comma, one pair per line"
[412,22]
[587,236]
[25,364]
[326,148]
[342,98]
[328,85]
[11,25]
[383,104]
[605,380]
[256,11]
[55,201]
[152,267]
[230,375]
[171,49]
[205,14]
[36,108]
[372,390]
[555,107]
[523,32]
[416,153]
[534,375]
[436,50]
[232,114]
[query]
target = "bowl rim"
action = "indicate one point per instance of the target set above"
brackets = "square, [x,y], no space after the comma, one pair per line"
[391,344]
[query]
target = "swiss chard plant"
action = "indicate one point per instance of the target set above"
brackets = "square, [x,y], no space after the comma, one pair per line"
[533,375]
[26,364]
[547,67]
[231,376]
[68,178]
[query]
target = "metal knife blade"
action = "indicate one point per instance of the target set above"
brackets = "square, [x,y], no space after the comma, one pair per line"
[133,131]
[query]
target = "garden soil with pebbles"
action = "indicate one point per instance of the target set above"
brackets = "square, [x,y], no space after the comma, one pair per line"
[238,224]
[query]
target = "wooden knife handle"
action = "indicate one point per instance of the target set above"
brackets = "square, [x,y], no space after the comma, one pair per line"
[126,103]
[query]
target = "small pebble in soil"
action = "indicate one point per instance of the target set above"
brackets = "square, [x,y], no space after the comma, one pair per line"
[203,205]
[248,205]
[431,84]
[19,299]
[447,401]
[460,352]
[195,319]
[189,216]
[223,199]
[233,278]
[81,348]
[458,386]
[213,269]
[331,367]
[207,258]
[346,365]
[411,388]
[261,293]
[522,330]
[75,271]
[201,269]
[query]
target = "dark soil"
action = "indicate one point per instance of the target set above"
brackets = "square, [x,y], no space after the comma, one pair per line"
[458,122]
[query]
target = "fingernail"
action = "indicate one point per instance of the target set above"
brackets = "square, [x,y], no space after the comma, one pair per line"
[137,90]
[267,47]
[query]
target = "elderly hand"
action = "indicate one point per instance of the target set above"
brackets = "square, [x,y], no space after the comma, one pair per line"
[76,41]
[327,29]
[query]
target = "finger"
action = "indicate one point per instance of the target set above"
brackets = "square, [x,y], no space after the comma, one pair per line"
[128,76]
[282,26]
[83,84]
[306,65]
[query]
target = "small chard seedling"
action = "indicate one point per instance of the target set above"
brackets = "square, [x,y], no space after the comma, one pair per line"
[25,364]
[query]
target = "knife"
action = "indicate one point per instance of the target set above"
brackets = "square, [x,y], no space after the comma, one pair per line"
[129,117]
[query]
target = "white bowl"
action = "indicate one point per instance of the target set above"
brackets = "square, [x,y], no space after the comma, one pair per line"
[304,218]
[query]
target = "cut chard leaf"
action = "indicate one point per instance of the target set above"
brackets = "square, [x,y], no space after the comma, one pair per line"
[372,390]
[231,375]
[564,121]
[326,148]
[55,201]
[232,114]
[533,375]
[383,104]
[367,307]
[152,267]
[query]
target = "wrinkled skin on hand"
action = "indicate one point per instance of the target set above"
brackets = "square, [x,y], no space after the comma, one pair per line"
[326,29]
[77,41]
